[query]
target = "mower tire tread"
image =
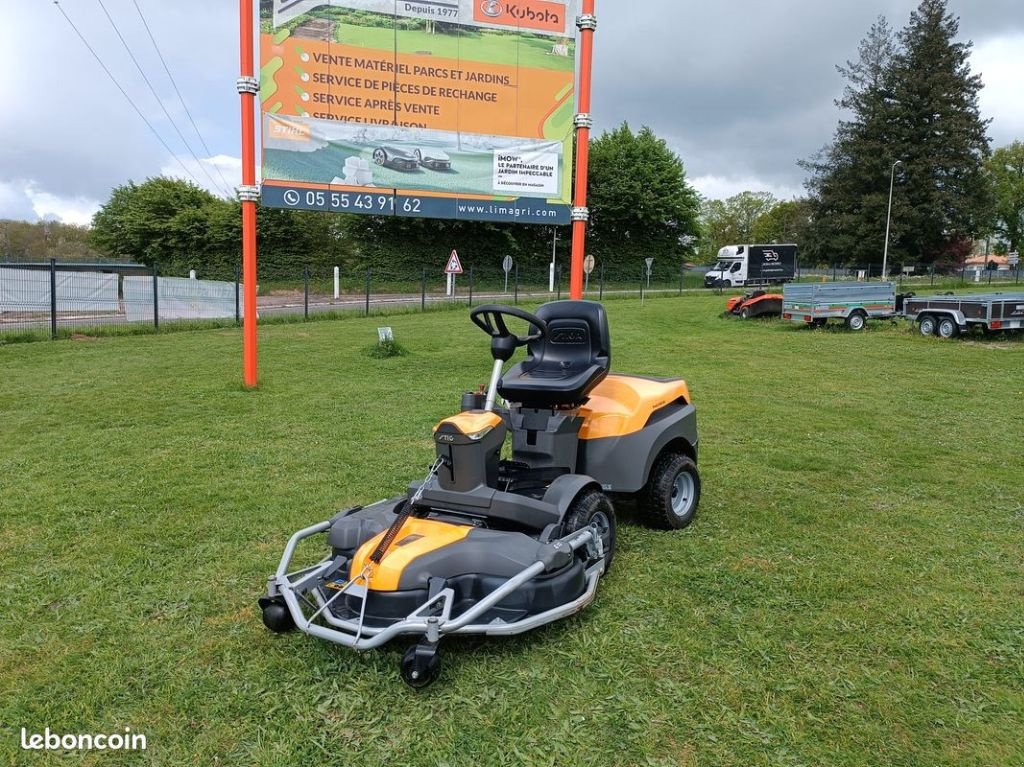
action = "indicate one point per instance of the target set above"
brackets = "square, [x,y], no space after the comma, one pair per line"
[590,505]
[655,501]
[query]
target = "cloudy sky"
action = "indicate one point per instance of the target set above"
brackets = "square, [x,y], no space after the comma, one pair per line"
[740,89]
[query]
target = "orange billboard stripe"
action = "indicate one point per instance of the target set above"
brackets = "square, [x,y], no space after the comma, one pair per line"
[494,104]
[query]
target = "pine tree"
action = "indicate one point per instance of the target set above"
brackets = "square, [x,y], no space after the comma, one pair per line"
[914,100]
[937,124]
[850,177]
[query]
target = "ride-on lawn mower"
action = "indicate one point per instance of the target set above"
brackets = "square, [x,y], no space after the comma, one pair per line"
[755,304]
[491,546]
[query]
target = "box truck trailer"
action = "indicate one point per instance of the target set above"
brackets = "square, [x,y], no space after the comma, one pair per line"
[751,265]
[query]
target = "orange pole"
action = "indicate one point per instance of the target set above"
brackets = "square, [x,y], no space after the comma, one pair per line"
[249,193]
[587,24]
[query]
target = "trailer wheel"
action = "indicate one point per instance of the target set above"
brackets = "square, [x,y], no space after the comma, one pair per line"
[856,321]
[670,498]
[926,325]
[947,328]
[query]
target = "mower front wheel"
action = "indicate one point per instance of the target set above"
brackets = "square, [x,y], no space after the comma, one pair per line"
[421,665]
[670,498]
[592,508]
[275,615]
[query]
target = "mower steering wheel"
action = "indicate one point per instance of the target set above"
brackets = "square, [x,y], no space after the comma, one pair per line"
[490,319]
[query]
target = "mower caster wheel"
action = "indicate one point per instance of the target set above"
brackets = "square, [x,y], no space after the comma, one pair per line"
[421,665]
[275,615]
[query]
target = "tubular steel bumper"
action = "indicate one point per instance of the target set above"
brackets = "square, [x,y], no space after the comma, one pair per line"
[303,588]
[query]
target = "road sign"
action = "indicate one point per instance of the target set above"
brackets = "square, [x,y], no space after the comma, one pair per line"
[507,264]
[1014,259]
[588,264]
[650,263]
[454,265]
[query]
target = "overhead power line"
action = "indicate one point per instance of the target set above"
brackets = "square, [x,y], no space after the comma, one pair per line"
[125,93]
[170,77]
[159,100]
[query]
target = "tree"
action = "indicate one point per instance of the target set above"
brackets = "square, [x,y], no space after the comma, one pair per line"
[641,204]
[849,181]
[733,221]
[937,124]
[157,222]
[1006,172]
[785,222]
[914,99]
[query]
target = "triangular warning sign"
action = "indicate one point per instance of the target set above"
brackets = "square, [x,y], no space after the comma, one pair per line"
[454,265]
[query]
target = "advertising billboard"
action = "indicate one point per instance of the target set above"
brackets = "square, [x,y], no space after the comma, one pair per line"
[435,108]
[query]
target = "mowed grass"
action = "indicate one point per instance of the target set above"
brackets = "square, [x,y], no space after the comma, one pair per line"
[850,593]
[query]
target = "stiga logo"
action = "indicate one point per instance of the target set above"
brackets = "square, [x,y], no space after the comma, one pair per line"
[288,131]
[539,15]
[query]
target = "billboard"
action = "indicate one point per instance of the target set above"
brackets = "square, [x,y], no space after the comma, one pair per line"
[431,108]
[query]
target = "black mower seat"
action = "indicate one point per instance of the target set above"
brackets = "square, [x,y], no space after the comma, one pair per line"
[561,369]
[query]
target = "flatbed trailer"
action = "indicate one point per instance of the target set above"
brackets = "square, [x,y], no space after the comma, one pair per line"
[949,316]
[815,303]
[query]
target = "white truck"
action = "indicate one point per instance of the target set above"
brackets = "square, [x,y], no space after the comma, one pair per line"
[750,265]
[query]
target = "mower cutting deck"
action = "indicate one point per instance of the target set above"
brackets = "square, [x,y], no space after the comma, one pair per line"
[491,546]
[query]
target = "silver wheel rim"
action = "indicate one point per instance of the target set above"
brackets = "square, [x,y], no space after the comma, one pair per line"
[603,529]
[683,491]
[857,322]
[946,329]
[927,327]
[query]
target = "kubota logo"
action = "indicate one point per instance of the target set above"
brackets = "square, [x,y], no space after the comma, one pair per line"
[491,8]
[540,15]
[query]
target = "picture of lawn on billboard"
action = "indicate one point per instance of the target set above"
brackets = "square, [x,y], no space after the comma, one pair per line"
[443,101]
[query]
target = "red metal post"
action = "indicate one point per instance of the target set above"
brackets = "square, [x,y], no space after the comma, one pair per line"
[587,23]
[247,88]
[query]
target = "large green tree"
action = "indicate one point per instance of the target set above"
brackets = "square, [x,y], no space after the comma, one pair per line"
[177,226]
[1006,172]
[910,98]
[937,124]
[732,221]
[160,221]
[849,181]
[641,204]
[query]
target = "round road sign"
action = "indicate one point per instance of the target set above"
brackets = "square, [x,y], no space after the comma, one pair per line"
[588,264]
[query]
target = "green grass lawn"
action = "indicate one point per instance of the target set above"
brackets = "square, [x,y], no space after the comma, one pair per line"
[850,593]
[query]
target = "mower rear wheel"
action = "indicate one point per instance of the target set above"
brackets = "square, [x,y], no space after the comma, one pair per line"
[592,508]
[745,313]
[670,498]
[275,615]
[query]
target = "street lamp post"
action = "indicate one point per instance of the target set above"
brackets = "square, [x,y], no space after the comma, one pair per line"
[888,221]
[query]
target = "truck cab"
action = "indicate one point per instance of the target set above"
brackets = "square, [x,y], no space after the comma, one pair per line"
[746,265]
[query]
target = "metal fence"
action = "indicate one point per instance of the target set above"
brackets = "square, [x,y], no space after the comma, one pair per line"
[920,275]
[58,299]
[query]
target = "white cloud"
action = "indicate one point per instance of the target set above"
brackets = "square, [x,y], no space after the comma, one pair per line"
[24,200]
[1000,61]
[721,187]
[219,174]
